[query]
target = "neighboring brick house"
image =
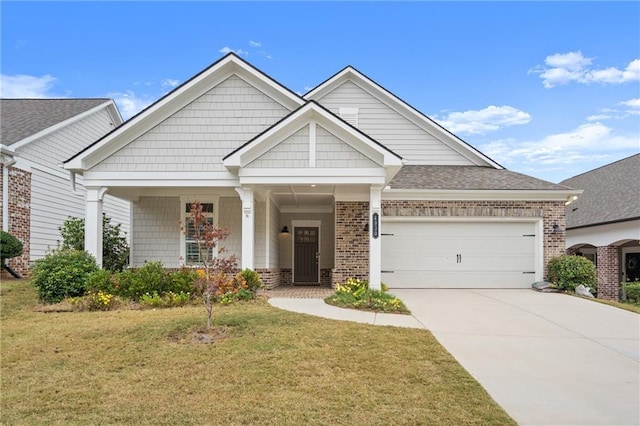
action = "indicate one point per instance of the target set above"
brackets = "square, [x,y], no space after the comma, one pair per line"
[36,135]
[347,180]
[603,224]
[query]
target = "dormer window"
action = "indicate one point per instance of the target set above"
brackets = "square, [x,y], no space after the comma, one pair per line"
[350,115]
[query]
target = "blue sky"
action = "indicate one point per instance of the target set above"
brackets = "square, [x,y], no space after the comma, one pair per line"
[549,89]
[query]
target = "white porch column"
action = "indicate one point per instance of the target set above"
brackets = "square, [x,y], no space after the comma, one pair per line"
[93,222]
[248,226]
[375,246]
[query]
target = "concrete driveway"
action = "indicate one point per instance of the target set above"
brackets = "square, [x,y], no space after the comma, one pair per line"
[547,359]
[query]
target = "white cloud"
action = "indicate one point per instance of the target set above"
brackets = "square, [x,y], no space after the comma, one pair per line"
[227,49]
[587,142]
[254,43]
[564,68]
[129,103]
[169,83]
[26,86]
[482,121]
[632,103]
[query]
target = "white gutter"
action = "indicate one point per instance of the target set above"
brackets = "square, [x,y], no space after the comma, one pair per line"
[7,159]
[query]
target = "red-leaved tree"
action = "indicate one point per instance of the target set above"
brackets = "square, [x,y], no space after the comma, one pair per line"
[217,269]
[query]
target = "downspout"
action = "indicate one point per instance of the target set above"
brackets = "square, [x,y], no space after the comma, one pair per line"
[8,159]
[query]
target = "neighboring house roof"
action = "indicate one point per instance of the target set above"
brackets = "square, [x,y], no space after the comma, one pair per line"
[467,178]
[611,194]
[21,118]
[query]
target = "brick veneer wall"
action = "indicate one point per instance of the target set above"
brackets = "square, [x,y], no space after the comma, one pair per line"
[19,206]
[551,212]
[352,241]
[270,277]
[608,270]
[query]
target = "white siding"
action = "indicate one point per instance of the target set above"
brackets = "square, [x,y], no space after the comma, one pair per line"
[391,129]
[197,137]
[293,152]
[156,231]
[53,202]
[230,215]
[331,152]
[67,141]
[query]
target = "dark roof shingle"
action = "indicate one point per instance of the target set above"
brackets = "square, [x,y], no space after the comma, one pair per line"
[611,194]
[467,178]
[21,118]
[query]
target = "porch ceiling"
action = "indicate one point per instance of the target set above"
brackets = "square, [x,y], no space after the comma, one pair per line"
[303,196]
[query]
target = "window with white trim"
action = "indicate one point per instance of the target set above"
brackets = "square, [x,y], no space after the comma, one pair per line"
[189,250]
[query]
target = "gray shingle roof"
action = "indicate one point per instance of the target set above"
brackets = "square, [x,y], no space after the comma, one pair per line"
[467,178]
[611,194]
[21,118]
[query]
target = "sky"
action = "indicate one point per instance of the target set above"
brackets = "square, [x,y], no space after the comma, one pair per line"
[548,89]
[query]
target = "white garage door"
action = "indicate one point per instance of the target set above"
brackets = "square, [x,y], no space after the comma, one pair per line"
[458,254]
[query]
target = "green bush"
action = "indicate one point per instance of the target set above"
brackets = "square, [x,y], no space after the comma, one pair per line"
[632,290]
[252,278]
[115,250]
[566,272]
[167,300]
[150,278]
[62,273]
[183,281]
[10,246]
[102,280]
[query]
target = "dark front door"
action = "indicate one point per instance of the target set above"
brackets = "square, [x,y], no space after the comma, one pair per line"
[632,266]
[305,263]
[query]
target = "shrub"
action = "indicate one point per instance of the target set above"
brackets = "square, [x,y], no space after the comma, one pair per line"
[101,280]
[355,293]
[115,250]
[62,273]
[149,278]
[566,272]
[167,300]
[183,281]
[10,246]
[252,278]
[632,290]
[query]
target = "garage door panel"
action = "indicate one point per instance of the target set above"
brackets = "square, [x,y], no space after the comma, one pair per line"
[458,254]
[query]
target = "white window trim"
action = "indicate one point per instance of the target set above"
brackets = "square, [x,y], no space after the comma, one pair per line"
[183,215]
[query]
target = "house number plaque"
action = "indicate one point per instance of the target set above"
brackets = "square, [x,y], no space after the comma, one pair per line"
[375,228]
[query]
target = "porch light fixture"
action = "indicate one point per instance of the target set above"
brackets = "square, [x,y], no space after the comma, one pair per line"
[285,230]
[556,228]
[366,227]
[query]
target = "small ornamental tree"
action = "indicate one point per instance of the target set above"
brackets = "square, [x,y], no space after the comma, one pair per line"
[217,269]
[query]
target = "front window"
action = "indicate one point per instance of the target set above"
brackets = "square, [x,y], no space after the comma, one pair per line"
[192,253]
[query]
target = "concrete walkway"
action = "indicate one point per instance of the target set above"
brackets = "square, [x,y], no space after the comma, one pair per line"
[547,359]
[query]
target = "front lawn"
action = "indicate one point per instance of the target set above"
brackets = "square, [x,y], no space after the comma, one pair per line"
[270,367]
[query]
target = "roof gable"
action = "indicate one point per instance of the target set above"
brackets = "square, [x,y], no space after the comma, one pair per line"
[610,194]
[25,120]
[177,99]
[443,136]
[309,139]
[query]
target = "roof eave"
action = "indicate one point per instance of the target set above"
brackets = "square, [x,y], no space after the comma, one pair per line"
[480,194]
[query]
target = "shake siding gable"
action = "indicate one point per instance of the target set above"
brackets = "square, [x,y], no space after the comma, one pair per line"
[293,152]
[197,137]
[331,152]
[391,129]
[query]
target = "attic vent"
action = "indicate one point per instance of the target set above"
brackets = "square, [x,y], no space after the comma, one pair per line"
[350,115]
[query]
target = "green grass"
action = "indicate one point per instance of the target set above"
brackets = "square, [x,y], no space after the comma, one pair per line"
[273,368]
[627,306]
